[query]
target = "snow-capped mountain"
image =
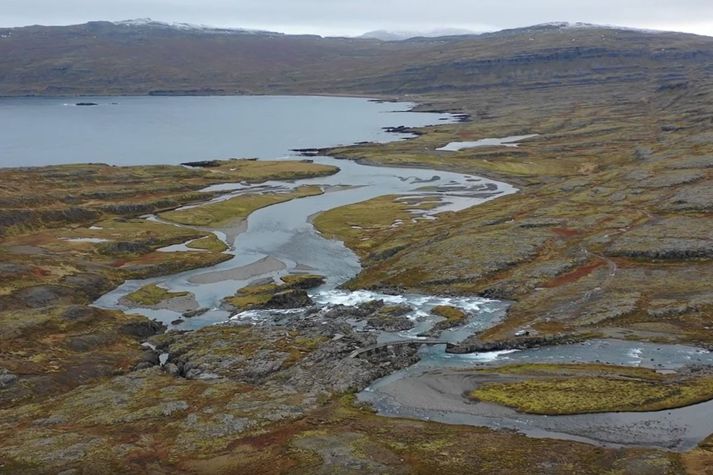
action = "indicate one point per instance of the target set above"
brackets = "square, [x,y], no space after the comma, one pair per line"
[188,27]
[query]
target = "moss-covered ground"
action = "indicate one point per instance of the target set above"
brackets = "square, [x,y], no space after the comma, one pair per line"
[208,243]
[453,315]
[581,389]
[238,208]
[152,294]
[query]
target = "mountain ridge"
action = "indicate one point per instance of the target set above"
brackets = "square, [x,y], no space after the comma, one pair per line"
[147,57]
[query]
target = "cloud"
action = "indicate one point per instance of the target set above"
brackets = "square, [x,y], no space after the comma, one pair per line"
[356,16]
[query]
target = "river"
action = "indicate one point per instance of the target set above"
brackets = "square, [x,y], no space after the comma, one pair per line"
[280,239]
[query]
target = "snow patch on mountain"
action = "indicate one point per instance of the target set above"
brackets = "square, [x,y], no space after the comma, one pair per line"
[150,23]
[568,25]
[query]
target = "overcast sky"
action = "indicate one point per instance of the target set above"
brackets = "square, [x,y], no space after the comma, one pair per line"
[353,17]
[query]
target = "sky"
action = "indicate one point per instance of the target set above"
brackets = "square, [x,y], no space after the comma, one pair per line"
[354,17]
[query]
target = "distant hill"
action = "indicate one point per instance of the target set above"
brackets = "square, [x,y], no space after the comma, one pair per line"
[385,35]
[147,57]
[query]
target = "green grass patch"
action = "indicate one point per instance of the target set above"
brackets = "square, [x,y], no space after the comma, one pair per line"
[360,224]
[240,207]
[589,394]
[264,170]
[209,243]
[152,294]
[451,314]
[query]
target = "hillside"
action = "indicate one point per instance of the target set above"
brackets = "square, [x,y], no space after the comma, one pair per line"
[139,57]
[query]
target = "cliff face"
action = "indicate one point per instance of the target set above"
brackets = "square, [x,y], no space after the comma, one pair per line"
[108,58]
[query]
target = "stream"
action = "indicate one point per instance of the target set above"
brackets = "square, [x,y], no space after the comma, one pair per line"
[280,239]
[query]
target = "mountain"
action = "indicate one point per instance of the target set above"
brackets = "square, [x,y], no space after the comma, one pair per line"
[148,57]
[188,27]
[385,35]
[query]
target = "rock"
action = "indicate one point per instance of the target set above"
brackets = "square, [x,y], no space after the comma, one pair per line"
[171,407]
[540,223]
[143,328]
[474,345]
[7,378]
[172,369]
[614,305]
[670,178]
[151,357]
[391,318]
[673,238]
[195,313]
[193,373]
[10,269]
[663,308]
[203,164]
[43,295]
[92,285]
[92,341]
[289,294]
[129,209]
[78,313]
[698,197]
[292,298]
[123,247]
[692,162]
[453,317]
[358,312]
[303,281]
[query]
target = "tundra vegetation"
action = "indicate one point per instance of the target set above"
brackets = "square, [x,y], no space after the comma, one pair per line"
[581,389]
[610,235]
[238,208]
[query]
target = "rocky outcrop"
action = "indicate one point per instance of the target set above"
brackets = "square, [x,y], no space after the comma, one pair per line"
[474,345]
[676,238]
[698,197]
[291,292]
[309,354]
[390,318]
[291,298]
[28,219]
[6,378]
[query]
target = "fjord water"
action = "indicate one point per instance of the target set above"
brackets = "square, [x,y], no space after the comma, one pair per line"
[170,130]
